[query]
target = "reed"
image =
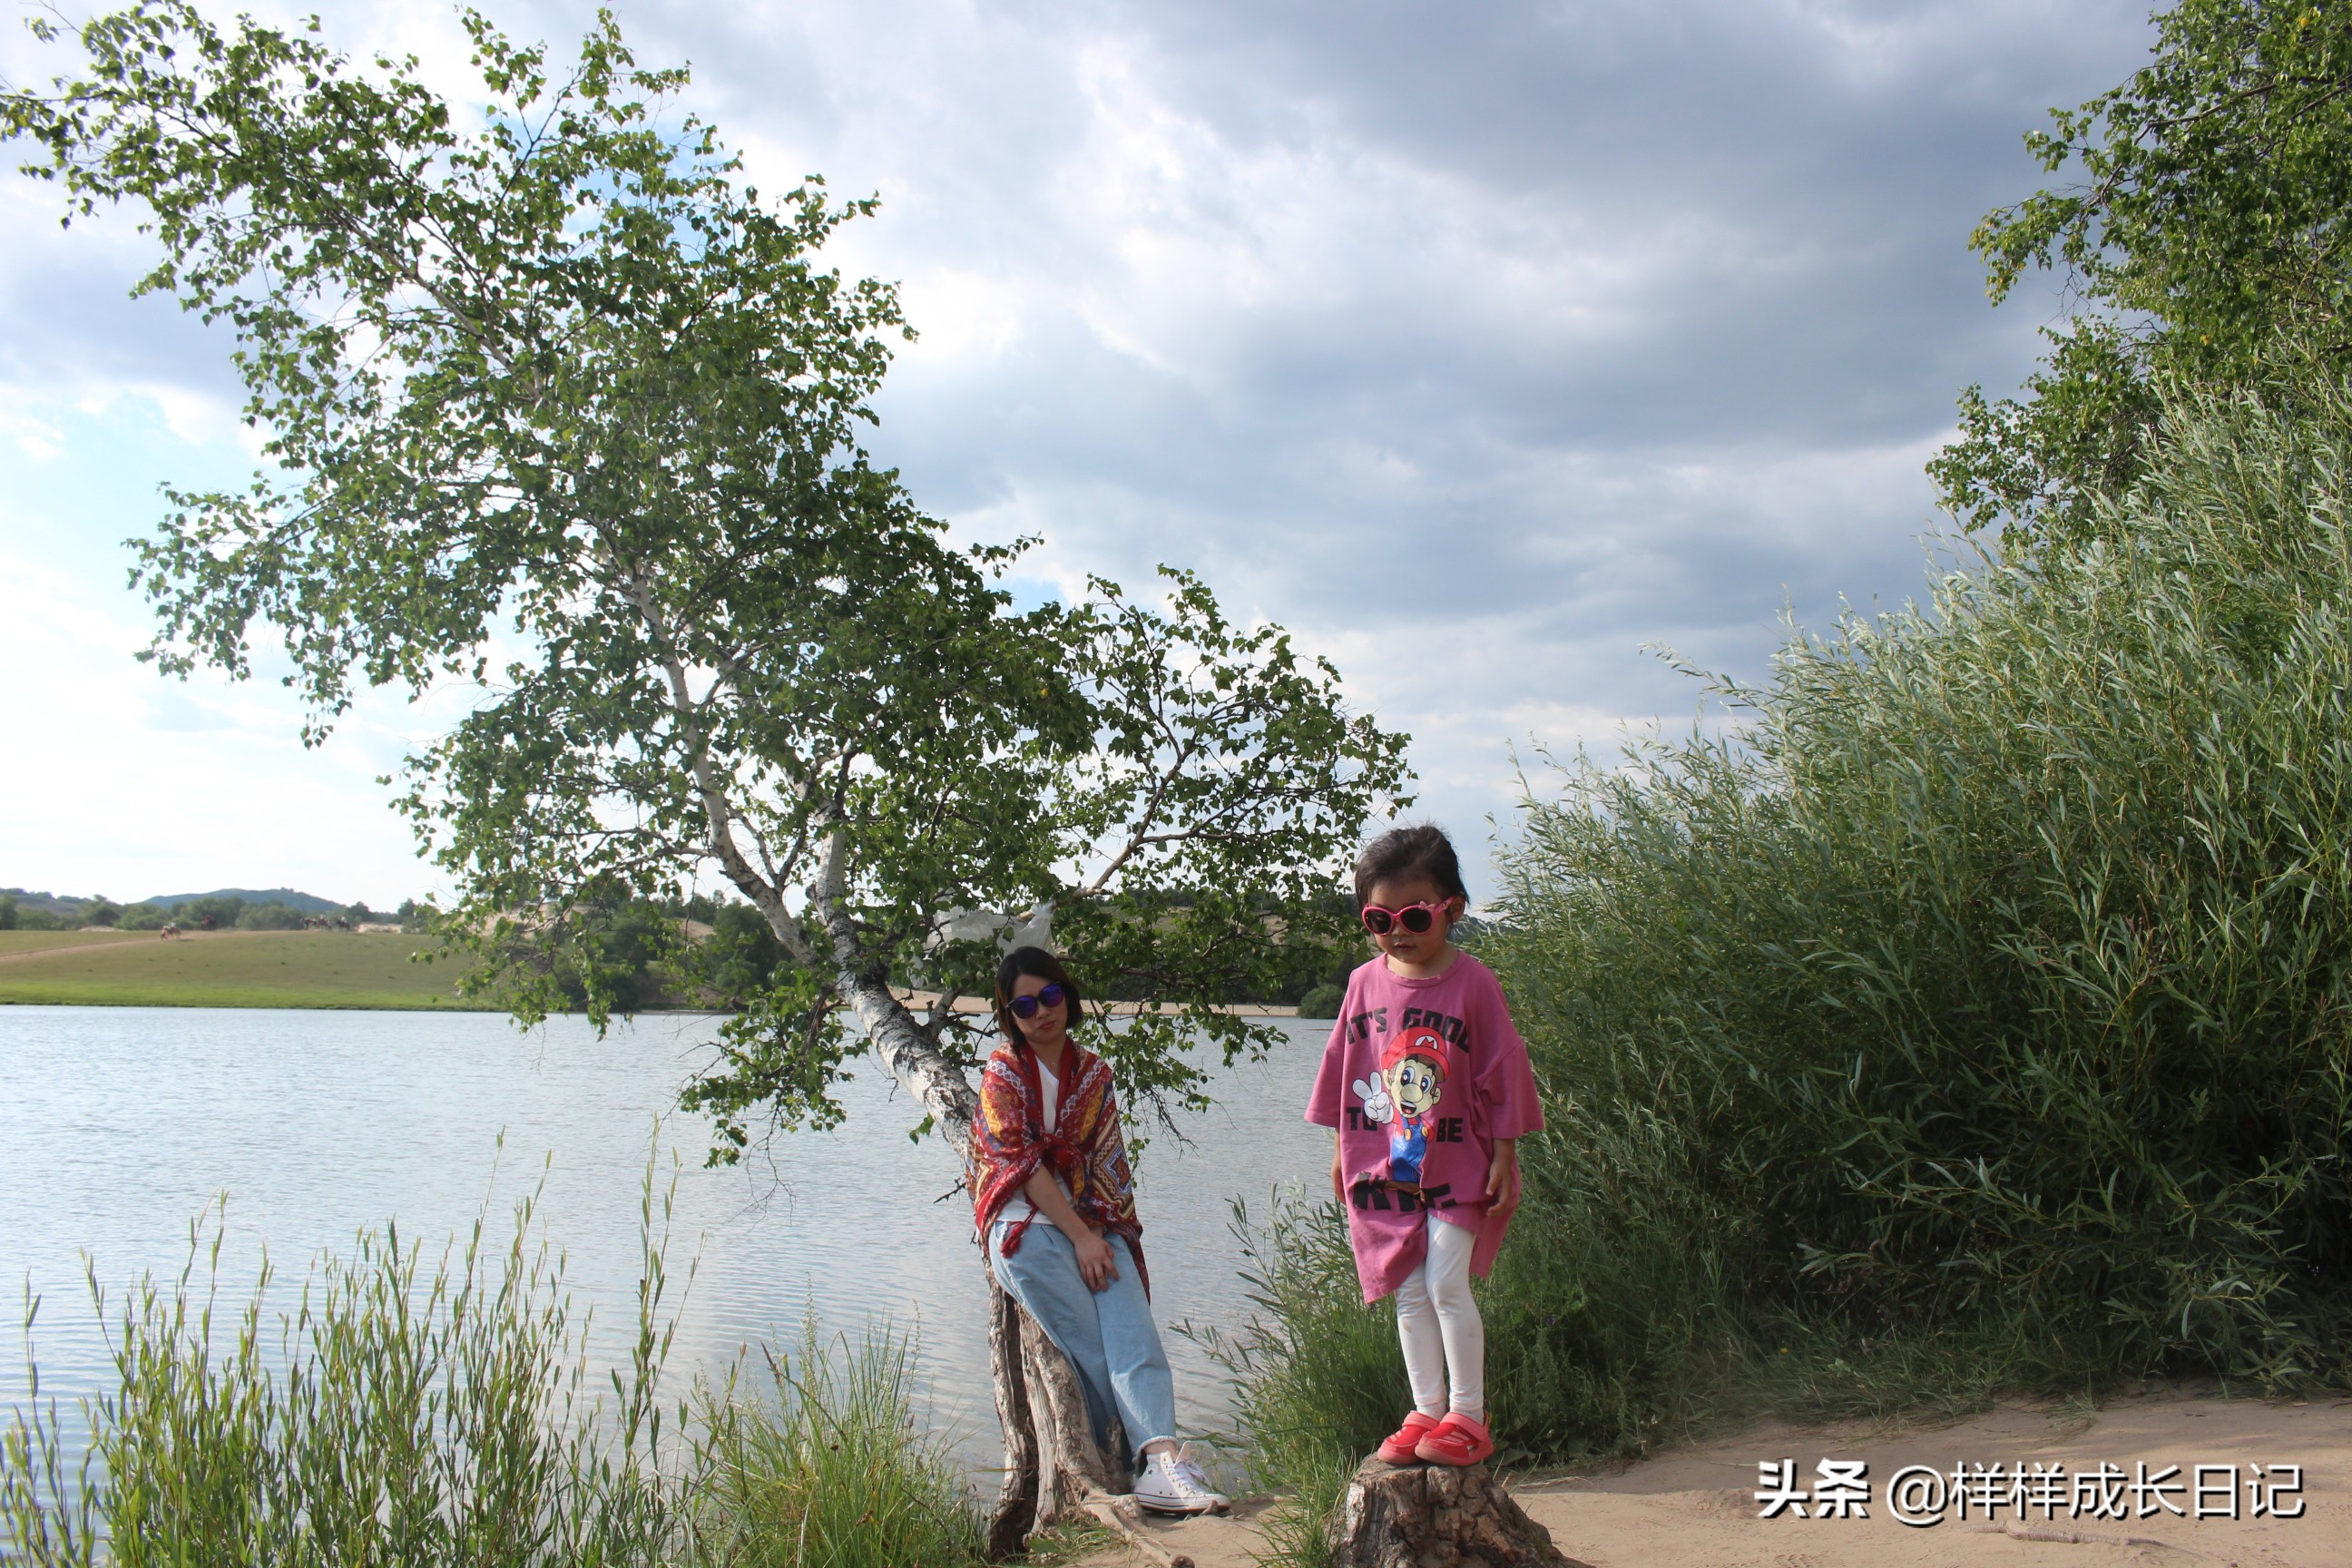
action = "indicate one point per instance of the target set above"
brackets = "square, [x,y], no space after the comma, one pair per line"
[1990,983]
[397,1415]
[1317,1380]
[827,1467]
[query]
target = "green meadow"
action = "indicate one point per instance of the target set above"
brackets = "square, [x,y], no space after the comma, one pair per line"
[224,969]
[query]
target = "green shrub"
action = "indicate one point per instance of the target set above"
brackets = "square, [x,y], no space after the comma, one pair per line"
[1323,1002]
[1318,1378]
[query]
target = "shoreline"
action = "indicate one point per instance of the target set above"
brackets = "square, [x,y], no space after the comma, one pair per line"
[923,1001]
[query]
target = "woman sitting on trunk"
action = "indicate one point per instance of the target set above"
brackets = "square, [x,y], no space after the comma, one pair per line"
[1046,1145]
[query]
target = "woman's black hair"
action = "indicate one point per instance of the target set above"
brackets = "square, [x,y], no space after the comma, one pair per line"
[1422,850]
[1034,960]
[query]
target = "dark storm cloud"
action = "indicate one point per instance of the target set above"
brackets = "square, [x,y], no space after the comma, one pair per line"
[1549,329]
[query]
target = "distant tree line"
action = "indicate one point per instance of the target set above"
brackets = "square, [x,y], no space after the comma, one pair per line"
[650,952]
[700,952]
[23,910]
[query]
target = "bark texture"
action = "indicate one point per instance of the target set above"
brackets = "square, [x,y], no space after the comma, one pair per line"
[1435,1516]
[1053,1467]
[1016,1498]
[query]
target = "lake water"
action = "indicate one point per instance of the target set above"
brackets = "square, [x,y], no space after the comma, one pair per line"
[122,1124]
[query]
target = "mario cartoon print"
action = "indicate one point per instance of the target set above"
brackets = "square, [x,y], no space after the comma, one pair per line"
[1404,1096]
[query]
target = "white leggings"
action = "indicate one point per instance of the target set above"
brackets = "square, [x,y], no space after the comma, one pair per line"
[1438,1322]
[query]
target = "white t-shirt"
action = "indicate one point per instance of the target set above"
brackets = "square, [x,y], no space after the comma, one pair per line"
[1049,1097]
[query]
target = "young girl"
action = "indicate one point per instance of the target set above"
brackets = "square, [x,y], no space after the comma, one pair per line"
[1427,1085]
[1046,1146]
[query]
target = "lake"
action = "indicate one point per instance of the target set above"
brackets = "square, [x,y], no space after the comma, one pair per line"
[123,1124]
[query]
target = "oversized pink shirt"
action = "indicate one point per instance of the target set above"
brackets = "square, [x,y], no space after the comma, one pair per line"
[1420,1078]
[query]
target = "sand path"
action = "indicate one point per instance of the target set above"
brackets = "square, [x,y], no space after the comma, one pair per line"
[91,942]
[1695,1507]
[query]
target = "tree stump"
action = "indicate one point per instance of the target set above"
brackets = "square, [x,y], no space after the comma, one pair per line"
[1435,1516]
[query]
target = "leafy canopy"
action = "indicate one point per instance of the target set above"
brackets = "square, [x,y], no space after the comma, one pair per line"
[555,405]
[2205,243]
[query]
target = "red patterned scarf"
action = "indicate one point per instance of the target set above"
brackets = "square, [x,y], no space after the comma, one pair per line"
[1009,1144]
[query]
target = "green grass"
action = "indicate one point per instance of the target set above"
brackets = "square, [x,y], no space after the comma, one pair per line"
[826,1467]
[231,969]
[440,1415]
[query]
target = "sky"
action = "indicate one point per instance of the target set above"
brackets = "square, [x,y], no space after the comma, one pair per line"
[1492,349]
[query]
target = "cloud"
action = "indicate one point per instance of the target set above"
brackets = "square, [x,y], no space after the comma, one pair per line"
[1521,335]
[129,785]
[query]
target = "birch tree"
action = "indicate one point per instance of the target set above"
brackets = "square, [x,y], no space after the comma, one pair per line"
[556,405]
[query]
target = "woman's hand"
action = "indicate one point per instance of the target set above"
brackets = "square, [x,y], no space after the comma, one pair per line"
[1339,1176]
[1097,1264]
[1503,1179]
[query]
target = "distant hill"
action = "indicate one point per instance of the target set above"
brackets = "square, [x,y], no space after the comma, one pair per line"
[308,904]
[49,903]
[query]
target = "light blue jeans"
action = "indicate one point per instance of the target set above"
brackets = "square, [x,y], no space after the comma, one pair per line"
[1108,1335]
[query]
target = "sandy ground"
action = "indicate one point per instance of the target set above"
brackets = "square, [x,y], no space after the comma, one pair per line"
[1697,1507]
[923,1001]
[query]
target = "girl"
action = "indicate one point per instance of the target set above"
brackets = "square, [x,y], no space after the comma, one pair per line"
[1427,1086]
[1046,1145]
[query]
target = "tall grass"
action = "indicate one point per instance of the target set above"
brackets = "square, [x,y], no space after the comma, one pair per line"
[827,1470]
[1972,1014]
[1996,977]
[399,1417]
[1318,1379]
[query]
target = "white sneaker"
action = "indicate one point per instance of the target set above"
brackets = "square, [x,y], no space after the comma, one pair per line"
[1173,1483]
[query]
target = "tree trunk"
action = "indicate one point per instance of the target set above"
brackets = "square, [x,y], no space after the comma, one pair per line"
[1435,1516]
[1016,1498]
[1053,1467]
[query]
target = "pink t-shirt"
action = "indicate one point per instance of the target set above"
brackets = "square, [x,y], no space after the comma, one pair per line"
[1420,1078]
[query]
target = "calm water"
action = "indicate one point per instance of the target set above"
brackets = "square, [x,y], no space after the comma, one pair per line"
[122,1124]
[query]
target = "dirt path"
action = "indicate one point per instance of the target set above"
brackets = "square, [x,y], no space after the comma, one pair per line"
[1695,1507]
[92,941]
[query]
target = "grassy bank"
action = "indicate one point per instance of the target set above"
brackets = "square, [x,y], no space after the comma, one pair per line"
[228,969]
[424,1415]
[1973,1018]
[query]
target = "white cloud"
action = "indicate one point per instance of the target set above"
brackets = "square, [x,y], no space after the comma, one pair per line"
[123,783]
[1528,333]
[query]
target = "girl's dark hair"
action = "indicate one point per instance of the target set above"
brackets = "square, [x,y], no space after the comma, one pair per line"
[1422,850]
[1034,960]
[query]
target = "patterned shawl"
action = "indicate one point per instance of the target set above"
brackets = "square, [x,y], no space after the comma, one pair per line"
[1085,1149]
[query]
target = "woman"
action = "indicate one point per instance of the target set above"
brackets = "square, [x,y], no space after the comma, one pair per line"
[1046,1146]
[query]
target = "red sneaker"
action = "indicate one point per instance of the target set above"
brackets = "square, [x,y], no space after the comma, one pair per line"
[1402,1446]
[1456,1440]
